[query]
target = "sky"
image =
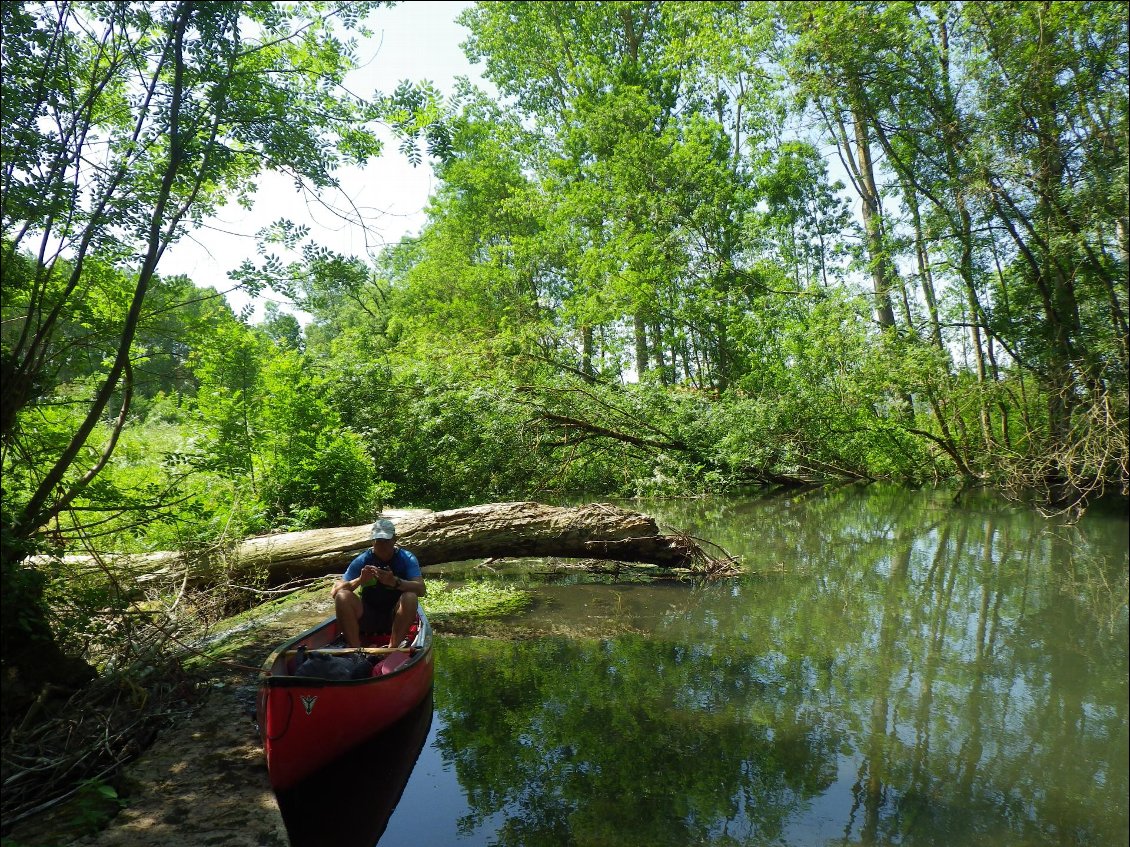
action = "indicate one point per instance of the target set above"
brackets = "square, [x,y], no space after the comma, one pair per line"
[416,40]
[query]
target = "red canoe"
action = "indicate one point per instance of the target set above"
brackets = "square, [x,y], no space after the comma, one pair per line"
[306,723]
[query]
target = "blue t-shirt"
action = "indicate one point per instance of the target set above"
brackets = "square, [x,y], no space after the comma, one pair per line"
[403,564]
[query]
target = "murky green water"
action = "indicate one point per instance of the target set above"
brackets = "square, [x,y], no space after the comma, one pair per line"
[895,669]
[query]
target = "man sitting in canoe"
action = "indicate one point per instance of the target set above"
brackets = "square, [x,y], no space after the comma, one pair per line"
[380,589]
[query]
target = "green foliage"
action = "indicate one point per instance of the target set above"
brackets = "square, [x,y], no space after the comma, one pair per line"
[440,442]
[97,802]
[332,485]
[228,367]
[22,603]
[93,805]
[639,273]
[124,127]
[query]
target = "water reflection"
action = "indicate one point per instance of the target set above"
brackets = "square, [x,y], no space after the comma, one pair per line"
[900,669]
[348,803]
[897,668]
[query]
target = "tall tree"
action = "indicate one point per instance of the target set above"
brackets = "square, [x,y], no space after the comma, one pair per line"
[593,79]
[1051,169]
[124,125]
[995,121]
[833,68]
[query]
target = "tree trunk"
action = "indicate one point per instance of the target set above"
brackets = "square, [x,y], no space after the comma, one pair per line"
[587,354]
[592,531]
[925,274]
[882,269]
[639,325]
[30,655]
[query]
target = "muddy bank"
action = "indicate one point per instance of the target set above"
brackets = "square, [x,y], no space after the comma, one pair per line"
[203,781]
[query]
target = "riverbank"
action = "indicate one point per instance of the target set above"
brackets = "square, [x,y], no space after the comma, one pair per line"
[203,780]
[201,783]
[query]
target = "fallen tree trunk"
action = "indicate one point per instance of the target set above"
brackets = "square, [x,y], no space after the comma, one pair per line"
[494,530]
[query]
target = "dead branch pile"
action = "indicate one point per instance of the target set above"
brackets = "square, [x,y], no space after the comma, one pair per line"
[68,739]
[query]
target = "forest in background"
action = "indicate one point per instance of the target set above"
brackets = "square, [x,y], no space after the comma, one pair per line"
[691,248]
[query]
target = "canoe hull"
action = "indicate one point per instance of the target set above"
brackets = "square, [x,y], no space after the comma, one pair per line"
[305,723]
[397,750]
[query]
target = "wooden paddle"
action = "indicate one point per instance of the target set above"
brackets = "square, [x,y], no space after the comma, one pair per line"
[345,651]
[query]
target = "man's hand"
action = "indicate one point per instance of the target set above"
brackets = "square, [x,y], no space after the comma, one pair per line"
[386,578]
[369,575]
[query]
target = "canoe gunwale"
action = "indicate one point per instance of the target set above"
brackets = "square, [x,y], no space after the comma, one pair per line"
[422,646]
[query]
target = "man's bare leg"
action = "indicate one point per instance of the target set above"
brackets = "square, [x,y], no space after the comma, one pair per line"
[348,608]
[402,619]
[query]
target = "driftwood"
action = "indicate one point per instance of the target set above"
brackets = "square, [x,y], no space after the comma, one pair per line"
[494,530]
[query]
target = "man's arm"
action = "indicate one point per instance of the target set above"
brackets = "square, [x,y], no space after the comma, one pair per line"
[415,581]
[361,576]
[390,580]
[416,586]
[351,584]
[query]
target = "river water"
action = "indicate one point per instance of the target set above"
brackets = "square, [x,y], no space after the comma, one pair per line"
[893,668]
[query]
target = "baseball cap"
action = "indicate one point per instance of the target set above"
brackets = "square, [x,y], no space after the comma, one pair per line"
[382,529]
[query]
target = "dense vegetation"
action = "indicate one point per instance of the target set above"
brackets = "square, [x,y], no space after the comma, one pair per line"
[640,271]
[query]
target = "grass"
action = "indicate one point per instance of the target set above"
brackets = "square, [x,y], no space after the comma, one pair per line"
[448,606]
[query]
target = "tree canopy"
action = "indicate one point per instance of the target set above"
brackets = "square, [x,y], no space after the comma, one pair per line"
[686,248]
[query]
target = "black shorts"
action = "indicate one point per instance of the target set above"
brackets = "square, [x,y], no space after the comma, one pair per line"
[379,607]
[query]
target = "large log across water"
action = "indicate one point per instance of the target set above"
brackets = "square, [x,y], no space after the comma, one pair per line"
[493,530]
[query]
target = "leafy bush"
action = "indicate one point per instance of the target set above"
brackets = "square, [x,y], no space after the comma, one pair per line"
[331,486]
[441,443]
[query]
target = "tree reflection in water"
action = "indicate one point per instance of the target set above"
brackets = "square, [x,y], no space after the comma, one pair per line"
[896,668]
[348,803]
[911,671]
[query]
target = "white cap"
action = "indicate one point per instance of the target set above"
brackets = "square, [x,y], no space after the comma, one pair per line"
[382,529]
